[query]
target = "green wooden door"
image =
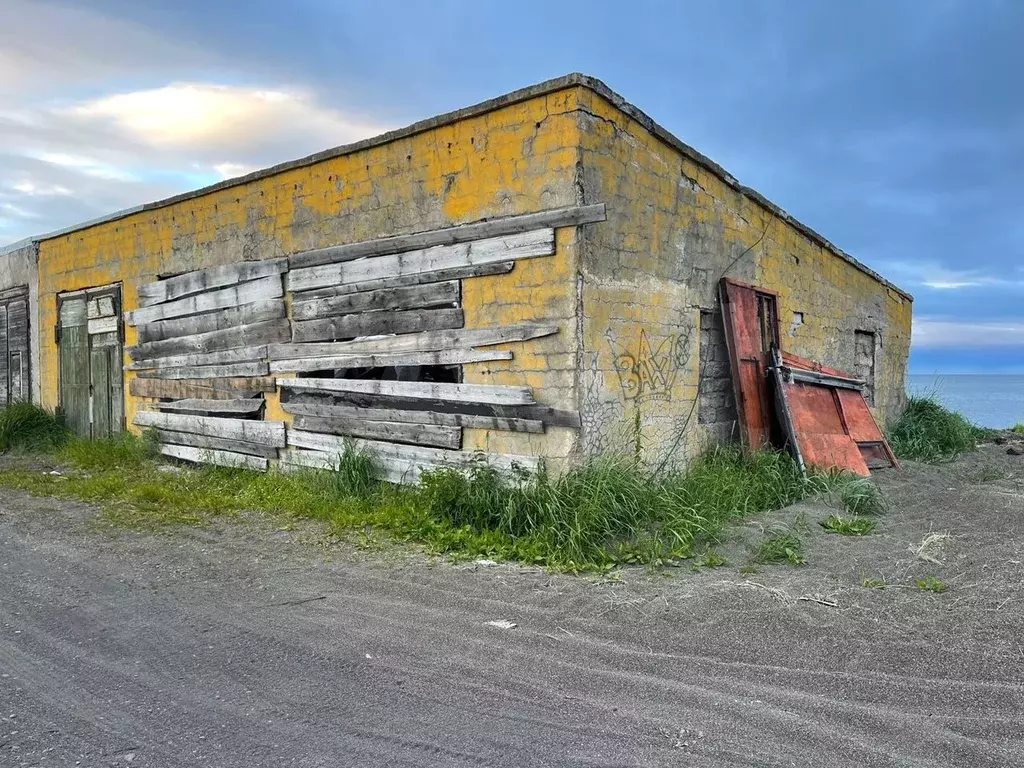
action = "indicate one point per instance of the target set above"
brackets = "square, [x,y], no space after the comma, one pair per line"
[91,362]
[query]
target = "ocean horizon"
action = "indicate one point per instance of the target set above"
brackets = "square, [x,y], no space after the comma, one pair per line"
[988,399]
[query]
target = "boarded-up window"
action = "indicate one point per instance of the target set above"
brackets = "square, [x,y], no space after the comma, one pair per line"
[864,362]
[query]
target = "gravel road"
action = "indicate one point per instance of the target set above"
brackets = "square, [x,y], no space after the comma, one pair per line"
[248,646]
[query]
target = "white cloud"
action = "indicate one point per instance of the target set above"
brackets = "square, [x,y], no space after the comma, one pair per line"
[937,277]
[99,113]
[941,333]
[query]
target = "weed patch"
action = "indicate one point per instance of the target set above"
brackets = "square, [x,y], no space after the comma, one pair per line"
[595,517]
[786,548]
[27,427]
[929,432]
[856,526]
[932,584]
[873,583]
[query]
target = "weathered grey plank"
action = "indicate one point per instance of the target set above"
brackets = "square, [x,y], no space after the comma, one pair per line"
[441,275]
[423,456]
[245,314]
[389,468]
[74,364]
[397,432]
[238,355]
[493,394]
[444,357]
[205,279]
[231,370]
[377,323]
[414,417]
[559,217]
[212,456]
[269,433]
[217,443]
[205,406]
[524,245]
[257,334]
[410,297]
[102,325]
[180,389]
[551,417]
[263,289]
[420,342]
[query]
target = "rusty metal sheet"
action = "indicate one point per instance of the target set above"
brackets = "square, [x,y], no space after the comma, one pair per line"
[750,317]
[830,426]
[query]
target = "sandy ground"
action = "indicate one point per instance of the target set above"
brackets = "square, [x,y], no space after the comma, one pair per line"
[249,646]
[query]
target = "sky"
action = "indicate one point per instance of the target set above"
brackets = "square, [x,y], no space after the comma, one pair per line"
[895,128]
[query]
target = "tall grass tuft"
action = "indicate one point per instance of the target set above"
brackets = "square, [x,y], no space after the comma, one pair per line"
[929,432]
[27,427]
[612,511]
[125,451]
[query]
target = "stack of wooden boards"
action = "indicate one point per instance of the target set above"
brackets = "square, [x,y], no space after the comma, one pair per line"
[211,342]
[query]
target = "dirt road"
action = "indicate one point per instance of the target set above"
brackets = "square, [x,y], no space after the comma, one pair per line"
[249,646]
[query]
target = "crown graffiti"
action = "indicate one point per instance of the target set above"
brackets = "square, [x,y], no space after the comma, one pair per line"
[646,371]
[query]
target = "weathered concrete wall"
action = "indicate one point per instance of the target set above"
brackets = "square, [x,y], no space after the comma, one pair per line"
[20,267]
[518,158]
[675,228]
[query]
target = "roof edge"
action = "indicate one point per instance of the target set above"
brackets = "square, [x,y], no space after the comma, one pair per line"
[483,107]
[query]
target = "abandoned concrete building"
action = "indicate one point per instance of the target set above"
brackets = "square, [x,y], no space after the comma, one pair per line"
[535,277]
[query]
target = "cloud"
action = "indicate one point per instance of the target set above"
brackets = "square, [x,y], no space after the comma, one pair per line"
[937,277]
[946,333]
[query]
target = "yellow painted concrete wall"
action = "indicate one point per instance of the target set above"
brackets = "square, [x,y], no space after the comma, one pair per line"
[674,229]
[516,159]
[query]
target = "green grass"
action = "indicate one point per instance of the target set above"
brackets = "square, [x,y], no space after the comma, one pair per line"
[784,548]
[929,432]
[1018,428]
[932,584]
[595,517]
[855,526]
[25,427]
[869,582]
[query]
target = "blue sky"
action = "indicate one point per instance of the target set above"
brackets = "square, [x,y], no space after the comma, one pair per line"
[894,128]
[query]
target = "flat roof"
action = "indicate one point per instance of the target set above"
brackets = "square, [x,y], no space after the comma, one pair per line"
[523,94]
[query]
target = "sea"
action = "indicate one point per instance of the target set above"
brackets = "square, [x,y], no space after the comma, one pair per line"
[989,400]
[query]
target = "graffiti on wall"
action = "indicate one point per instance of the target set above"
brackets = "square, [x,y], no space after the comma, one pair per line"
[648,370]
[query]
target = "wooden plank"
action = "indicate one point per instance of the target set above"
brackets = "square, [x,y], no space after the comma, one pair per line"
[525,245]
[239,355]
[445,357]
[263,289]
[217,443]
[245,314]
[269,433]
[212,456]
[392,431]
[551,417]
[179,389]
[232,370]
[493,394]
[559,217]
[441,275]
[99,387]
[257,334]
[377,323]
[428,457]
[205,279]
[196,405]
[410,297]
[415,417]
[308,460]
[421,342]
[102,325]
[389,468]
